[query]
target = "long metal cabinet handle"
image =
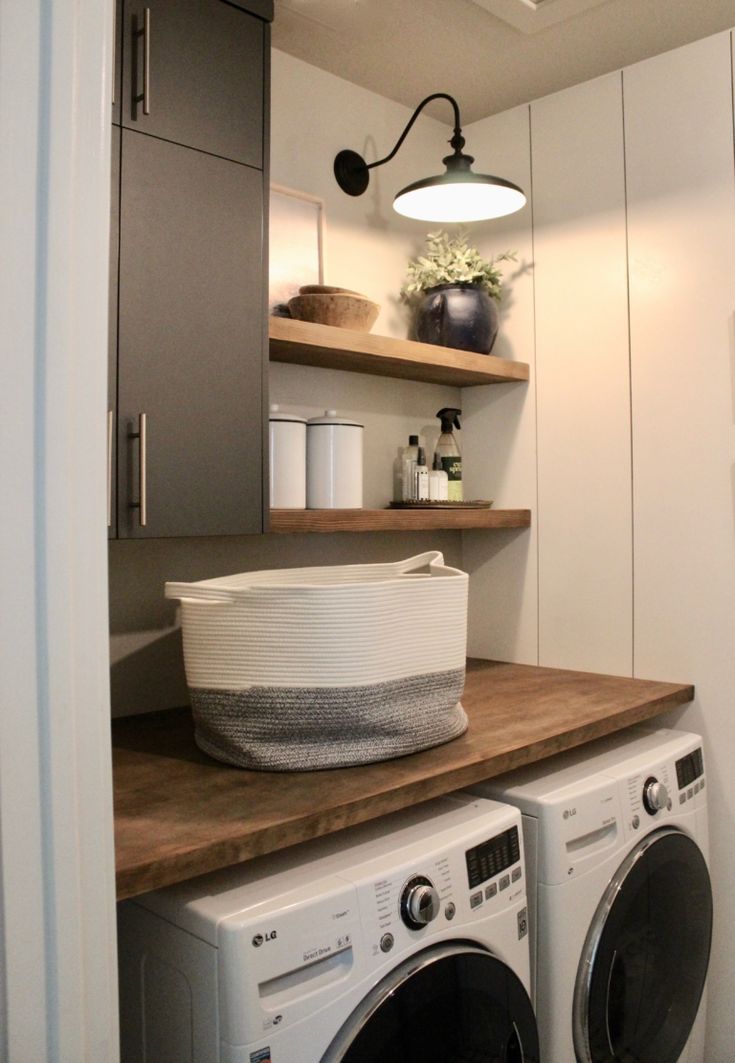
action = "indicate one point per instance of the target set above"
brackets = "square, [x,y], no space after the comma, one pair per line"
[142,435]
[114,35]
[109,468]
[147,61]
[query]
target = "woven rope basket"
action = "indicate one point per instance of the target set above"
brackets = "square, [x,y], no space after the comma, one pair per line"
[298,669]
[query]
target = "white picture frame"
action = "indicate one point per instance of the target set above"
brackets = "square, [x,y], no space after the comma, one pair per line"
[296,243]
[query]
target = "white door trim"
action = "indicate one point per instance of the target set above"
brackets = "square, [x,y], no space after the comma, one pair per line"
[57,940]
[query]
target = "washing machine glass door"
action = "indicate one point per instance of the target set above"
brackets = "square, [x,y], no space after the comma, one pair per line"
[642,970]
[454,1003]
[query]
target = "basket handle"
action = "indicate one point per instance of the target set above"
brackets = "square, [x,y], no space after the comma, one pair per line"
[429,558]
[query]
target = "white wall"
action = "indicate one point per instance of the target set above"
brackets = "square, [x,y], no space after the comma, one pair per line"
[367,245]
[499,423]
[634,273]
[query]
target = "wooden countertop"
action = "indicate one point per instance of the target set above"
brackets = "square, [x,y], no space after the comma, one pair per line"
[179,813]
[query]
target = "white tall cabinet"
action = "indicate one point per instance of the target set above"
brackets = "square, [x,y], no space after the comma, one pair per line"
[681,231]
[627,434]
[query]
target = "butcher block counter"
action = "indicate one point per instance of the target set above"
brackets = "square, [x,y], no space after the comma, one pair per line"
[179,813]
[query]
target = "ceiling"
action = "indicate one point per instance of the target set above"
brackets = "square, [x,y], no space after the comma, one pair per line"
[406,49]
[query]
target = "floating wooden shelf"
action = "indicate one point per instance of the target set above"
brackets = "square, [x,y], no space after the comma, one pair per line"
[304,343]
[178,813]
[365,520]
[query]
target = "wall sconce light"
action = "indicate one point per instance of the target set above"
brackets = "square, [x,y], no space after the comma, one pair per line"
[458,195]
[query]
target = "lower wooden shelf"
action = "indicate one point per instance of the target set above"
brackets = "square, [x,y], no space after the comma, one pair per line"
[179,813]
[365,520]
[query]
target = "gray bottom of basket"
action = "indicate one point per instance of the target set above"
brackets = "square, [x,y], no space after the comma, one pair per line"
[306,728]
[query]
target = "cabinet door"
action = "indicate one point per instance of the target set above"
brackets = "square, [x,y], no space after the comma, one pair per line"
[112,336]
[191,343]
[196,67]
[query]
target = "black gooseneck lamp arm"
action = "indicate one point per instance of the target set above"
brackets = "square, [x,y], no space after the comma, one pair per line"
[353,173]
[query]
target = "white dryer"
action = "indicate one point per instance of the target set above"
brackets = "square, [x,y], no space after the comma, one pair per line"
[404,940]
[619,896]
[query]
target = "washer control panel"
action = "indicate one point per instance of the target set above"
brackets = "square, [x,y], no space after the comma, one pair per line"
[492,857]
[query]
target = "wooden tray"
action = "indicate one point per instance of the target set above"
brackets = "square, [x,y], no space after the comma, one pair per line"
[478,503]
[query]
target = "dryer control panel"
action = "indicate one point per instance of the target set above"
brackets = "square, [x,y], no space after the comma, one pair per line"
[663,790]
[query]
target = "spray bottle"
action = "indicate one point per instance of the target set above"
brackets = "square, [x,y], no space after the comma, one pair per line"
[449,453]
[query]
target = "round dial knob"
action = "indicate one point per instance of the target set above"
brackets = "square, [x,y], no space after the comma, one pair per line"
[655,796]
[419,902]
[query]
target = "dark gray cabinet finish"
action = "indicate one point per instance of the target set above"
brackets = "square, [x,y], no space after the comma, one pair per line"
[191,354]
[188,313]
[197,67]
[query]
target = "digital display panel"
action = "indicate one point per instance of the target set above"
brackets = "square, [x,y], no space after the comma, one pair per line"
[689,768]
[493,856]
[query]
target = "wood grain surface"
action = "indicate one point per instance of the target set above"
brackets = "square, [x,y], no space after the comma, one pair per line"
[286,521]
[178,813]
[305,343]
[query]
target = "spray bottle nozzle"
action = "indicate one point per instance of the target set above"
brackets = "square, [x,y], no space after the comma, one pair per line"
[450,418]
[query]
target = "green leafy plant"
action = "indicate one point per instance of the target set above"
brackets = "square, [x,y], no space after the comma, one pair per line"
[449,259]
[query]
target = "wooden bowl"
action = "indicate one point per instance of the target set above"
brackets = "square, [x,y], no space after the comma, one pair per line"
[325,289]
[341,309]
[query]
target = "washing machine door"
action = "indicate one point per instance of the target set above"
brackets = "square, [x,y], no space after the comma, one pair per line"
[454,1002]
[643,966]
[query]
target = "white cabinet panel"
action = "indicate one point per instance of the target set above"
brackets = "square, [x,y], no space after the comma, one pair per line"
[583,388]
[681,208]
[499,421]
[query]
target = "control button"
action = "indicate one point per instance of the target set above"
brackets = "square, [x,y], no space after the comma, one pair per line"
[701,785]
[636,822]
[491,891]
[505,882]
[690,793]
[515,874]
[419,902]
[696,787]
[476,899]
[682,798]
[387,942]
[450,911]
[655,795]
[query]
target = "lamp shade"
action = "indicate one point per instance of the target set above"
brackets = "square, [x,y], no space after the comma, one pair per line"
[459,195]
[456,195]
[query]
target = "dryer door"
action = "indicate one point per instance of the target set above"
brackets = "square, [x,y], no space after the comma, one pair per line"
[642,970]
[452,1002]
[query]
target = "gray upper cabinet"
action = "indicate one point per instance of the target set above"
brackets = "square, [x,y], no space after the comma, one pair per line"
[190,345]
[188,342]
[193,74]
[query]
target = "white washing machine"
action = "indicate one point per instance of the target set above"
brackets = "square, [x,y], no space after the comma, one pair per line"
[619,897]
[404,940]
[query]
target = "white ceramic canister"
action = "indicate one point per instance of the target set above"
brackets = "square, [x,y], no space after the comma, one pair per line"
[333,462]
[287,435]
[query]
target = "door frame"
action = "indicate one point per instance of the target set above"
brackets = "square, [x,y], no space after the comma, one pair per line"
[58,995]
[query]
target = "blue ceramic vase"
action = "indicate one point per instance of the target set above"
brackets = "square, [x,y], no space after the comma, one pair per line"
[458,315]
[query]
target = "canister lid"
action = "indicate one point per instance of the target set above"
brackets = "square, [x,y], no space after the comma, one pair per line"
[277,414]
[330,417]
